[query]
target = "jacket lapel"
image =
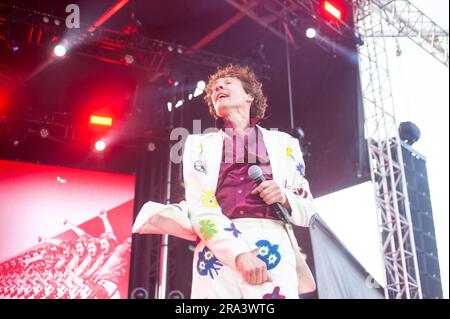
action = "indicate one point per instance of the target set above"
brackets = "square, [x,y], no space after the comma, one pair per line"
[213,145]
[274,147]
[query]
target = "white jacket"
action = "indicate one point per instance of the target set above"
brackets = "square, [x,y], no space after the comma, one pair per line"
[201,164]
[200,215]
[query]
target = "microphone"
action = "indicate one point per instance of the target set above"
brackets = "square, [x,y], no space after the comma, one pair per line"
[255,172]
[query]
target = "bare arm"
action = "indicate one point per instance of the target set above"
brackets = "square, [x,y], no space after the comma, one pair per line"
[75,228]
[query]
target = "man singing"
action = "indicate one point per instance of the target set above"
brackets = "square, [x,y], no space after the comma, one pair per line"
[244,248]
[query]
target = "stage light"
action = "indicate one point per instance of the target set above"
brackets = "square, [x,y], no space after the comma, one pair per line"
[169,106]
[197,92]
[190,96]
[333,9]
[201,85]
[172,82]
[200,88]
[13,46]
[44,133]
[60,180]
[129,59]
[59,50]
[15,142]
[179,103]
[100,145]
[57,22]
[311,33]
[151,147]
[46,19]
[100,120]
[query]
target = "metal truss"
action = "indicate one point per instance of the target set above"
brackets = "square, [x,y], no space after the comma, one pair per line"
[283,17]
[386,162]
[401,19]
[120,47]
[407,20]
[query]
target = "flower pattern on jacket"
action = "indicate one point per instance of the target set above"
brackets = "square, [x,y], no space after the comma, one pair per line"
[289,151]
[233,230]
[268,253]
[209,199]
[275,294]
[207,263]
[300,168]
[207,229]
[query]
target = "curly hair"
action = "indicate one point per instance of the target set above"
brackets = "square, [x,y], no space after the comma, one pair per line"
[249,82]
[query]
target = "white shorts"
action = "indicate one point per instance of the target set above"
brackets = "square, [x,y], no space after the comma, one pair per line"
[212,279]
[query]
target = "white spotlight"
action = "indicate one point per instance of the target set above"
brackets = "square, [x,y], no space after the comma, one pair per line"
[197,92]
[179,103]
[61,180]
[59,50]
[100,145]
[311,33]
[201,85]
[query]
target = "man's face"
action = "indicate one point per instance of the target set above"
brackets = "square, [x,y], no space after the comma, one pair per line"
[79,247]
[92,249]
[229,93]
[104,244]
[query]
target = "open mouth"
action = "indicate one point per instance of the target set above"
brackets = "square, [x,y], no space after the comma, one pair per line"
[221,96]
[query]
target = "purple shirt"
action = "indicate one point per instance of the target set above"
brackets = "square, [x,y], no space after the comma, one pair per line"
[233,193]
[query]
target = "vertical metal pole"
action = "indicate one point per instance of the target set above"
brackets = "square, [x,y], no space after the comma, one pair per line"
[164,252]
[288,64]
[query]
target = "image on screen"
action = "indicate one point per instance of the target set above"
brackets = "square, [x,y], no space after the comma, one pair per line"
[65,233]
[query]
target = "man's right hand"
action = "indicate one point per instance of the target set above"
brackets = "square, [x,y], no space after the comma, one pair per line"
[253,269]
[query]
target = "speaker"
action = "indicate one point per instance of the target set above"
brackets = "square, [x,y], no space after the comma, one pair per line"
[423,223]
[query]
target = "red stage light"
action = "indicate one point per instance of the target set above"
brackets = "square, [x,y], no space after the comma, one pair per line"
[108,14]
[101,120]
[333,9]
